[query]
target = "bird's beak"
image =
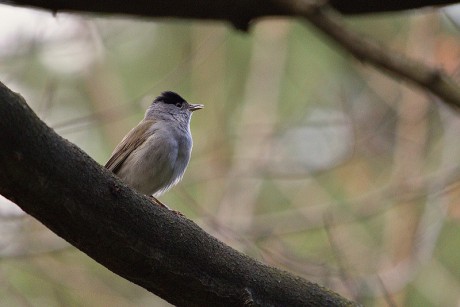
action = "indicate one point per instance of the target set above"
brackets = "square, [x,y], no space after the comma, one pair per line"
[194,107]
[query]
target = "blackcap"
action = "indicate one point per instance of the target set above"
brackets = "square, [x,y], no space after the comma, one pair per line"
[153,156]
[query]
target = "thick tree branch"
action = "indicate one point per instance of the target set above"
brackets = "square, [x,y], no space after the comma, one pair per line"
[234,11]
[54,181]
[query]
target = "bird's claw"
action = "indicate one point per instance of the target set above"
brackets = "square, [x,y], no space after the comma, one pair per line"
[155,201]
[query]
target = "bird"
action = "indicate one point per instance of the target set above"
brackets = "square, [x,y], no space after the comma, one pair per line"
[154,155]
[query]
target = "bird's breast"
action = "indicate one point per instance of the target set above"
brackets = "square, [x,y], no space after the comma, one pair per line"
[168,157]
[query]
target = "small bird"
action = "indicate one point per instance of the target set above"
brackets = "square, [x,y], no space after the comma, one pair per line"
[153,156]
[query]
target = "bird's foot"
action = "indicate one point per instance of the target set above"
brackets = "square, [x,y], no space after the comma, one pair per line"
[155,201]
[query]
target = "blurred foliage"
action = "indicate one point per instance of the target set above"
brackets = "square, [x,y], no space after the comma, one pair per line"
[303,158]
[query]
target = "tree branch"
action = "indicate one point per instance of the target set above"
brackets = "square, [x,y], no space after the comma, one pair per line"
[58,184]
[365,6]
[367,50]
[234,11]
[241,12]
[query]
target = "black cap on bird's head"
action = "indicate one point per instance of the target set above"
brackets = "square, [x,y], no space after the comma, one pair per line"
[169,97]
[172,98]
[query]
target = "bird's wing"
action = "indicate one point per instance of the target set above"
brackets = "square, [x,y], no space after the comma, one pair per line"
[135,138]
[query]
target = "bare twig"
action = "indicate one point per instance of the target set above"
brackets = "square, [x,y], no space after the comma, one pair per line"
[386,294]
[367,50]
[346,278]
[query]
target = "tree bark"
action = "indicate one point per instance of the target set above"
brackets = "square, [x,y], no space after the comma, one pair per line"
[169,255]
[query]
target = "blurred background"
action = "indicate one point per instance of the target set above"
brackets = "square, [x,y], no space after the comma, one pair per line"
[303,158]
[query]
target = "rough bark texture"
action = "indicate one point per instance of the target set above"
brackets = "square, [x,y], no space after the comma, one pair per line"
[57,183]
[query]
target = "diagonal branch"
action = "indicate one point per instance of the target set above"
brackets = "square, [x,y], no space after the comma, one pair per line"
[368,50]
[58,184]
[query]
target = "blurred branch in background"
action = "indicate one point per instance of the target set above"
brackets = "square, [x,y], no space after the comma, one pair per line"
[234,11]
[366,50]
[240,13]
[252,146]
[294,131]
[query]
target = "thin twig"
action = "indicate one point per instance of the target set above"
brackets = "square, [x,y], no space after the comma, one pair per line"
[370,51]
[347,279]
[386,294]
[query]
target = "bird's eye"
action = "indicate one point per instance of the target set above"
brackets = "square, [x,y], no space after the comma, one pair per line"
[179,104]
